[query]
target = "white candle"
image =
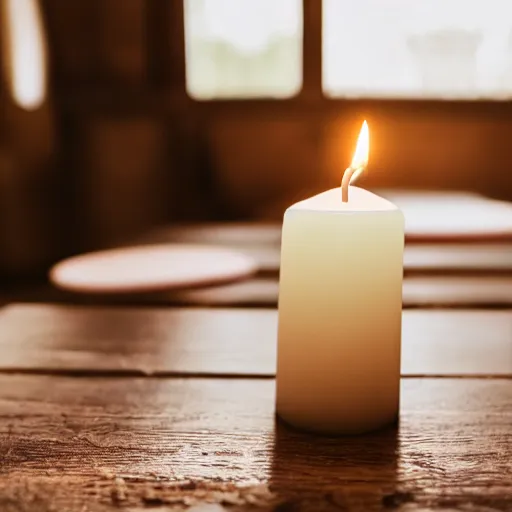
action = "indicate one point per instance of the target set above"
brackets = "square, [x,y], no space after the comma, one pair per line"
[340,309]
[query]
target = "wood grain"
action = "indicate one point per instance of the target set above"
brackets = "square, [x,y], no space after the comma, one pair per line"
[239,342]
[99,443]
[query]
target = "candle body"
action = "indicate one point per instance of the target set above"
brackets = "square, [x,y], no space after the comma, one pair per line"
[340,310]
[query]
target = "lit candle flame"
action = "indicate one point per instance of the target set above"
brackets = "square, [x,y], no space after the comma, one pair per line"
[361,154]
[359,161]
[25,52]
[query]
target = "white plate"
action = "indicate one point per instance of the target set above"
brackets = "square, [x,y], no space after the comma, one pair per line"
[151,268]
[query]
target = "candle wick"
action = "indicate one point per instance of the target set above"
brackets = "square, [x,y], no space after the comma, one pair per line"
[345,182]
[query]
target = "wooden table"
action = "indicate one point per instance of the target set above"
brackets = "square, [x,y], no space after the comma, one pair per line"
[125,408]
[167,402]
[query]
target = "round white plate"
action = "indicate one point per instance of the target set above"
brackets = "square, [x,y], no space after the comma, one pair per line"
[151,268]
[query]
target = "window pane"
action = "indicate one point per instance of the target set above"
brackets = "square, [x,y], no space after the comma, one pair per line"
[243,48]
[448,49]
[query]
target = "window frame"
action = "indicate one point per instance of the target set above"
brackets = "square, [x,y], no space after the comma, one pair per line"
[311,94]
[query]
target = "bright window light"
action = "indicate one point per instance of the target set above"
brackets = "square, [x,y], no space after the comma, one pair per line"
[25,52]
[243,48]
[439,49]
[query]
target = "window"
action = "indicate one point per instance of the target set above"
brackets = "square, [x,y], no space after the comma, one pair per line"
[435,49]
[243,48]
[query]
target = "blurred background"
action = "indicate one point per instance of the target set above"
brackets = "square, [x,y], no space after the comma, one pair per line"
[121,116]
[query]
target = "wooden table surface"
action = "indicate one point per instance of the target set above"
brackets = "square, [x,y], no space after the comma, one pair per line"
[166,402]
[111,408]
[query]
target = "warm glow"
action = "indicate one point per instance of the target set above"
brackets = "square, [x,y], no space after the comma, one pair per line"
[25,52]
[360,159]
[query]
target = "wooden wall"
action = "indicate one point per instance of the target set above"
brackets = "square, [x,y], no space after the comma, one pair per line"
[136,151]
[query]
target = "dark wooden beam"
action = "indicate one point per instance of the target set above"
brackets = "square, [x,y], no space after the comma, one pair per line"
[312,50]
